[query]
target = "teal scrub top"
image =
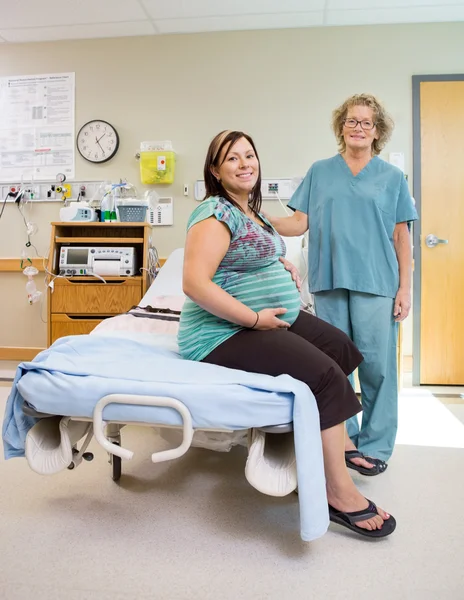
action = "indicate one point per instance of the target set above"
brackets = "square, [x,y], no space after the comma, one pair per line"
[351,224]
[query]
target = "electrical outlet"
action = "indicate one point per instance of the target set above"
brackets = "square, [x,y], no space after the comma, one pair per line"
[271,189]
[50,191]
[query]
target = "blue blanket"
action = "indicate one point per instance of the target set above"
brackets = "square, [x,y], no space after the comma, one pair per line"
[75,372]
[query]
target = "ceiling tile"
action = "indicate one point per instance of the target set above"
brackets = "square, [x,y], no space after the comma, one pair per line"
[373,4]
[32,20]
[180,9]
[46,13]
[76,32]
[426,14]
[239,23]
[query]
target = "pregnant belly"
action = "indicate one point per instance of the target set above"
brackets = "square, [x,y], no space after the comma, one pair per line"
[269,288]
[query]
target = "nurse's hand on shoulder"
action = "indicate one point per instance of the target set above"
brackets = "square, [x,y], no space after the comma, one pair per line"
[268,319]
[402,305]
[293,271]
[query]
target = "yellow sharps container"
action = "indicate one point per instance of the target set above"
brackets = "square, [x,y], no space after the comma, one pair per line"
[157,162]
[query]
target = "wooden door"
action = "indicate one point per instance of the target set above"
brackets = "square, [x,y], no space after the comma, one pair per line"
[442,216]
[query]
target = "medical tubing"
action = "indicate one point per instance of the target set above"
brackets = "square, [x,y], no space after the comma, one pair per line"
[256,322]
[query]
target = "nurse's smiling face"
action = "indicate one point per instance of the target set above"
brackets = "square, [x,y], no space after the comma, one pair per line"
[359,131]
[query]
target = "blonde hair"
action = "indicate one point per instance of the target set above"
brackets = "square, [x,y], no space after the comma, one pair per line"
[383,121]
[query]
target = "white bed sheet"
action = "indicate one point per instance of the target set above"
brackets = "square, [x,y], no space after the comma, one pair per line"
[169,279]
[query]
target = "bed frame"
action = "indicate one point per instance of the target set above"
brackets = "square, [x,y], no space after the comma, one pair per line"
[108,433]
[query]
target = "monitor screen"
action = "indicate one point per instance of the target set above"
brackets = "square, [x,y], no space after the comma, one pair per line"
[77,256]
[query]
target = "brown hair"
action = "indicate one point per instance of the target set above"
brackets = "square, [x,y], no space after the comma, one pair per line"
[215,187]
[383,121]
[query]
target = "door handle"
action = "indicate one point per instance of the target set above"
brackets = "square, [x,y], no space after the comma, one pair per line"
[431,241]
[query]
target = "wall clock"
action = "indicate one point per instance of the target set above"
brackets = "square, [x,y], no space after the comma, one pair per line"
[97,141]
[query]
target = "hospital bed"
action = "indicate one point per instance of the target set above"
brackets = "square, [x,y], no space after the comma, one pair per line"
[54,429]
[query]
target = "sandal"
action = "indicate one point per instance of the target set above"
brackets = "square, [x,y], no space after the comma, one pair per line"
[349,520]
[380,466]
[377,461]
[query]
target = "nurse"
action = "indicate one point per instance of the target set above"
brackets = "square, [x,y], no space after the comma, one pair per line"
[357,208]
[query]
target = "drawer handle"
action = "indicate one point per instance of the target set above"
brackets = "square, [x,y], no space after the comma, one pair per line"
[97,282]
[85,317]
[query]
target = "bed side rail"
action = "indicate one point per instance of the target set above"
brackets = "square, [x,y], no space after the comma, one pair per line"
[133,399]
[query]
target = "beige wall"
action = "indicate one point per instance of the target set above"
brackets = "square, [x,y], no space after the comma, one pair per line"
[280,86]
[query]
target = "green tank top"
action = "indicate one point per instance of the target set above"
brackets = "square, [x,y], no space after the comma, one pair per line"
[250,271]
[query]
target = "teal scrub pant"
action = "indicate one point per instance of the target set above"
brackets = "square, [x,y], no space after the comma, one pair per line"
[368,320]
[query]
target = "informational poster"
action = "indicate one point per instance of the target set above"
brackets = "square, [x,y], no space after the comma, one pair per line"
[37,127]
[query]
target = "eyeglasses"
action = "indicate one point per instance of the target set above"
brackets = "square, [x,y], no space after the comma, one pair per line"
[365,124]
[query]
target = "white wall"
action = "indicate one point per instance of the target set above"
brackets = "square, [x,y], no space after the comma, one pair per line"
[279,86]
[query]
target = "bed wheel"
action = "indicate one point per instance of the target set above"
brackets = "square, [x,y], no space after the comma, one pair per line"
[116,463]
[88,456]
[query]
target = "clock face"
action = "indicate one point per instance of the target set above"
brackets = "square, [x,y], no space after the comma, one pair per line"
[97,141]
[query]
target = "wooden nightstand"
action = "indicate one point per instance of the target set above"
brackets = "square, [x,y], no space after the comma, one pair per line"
[78,304]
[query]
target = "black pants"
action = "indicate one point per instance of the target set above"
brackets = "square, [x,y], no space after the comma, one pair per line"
[311,350]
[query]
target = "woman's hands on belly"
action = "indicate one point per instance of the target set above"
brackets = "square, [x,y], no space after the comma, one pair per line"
[271,292]
[268,319]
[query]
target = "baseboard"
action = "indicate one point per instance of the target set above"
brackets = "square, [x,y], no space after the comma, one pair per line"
[18,353]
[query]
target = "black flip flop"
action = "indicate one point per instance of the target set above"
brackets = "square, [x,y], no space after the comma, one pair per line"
[349,520]
[380,466]
[377,461]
